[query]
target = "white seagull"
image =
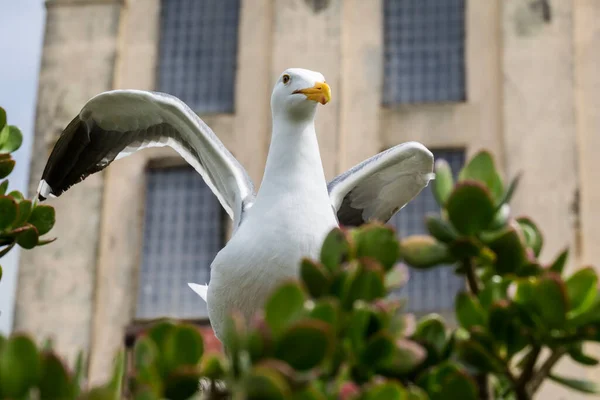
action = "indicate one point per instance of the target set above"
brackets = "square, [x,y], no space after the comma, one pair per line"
[295,207]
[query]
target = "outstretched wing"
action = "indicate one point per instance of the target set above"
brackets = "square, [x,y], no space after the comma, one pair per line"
[380,186]
[117,123]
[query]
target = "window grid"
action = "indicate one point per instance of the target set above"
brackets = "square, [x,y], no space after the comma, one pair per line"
[424,51]
[431,290]
[183,232]
[198,52]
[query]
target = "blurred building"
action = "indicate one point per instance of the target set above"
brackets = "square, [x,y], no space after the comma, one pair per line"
[518,77]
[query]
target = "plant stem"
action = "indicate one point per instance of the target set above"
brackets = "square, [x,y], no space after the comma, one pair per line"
[471,278]
[542,373]
[521,384]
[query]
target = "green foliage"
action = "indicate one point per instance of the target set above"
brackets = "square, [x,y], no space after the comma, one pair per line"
[22,221]
[30,372]
[516,305]
[337,333]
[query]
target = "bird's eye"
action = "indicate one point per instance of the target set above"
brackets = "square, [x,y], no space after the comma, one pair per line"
[286,79]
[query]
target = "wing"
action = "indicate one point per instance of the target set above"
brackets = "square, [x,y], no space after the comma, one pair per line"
[117,123]
[380,186]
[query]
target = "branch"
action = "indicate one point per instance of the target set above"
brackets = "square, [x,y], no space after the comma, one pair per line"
[542,373]
[471,278]
[527,373]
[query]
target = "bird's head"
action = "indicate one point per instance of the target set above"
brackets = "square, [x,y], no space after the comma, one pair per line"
[297,92]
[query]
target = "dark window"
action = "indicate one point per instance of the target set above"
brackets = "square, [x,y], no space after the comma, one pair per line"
[428,290]
[183,231]
[198,52]
[424,51]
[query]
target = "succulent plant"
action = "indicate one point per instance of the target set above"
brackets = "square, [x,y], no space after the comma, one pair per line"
[338,332]
[22,222]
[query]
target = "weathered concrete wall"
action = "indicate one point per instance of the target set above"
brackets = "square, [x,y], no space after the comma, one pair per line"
[587,101]
[540,129]
[308,38]
[57,283]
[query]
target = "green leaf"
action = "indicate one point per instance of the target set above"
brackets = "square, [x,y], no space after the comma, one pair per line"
[2,118]
[422,251]
[577,354]
[145,353]
[213,366]
[116,381]
[493,290]
[28,237]
[378,242]
[335,250]
[481,168]
[18,196]
[581,291]
[181,385]
[285,305]
[386,391]
[305,344]
[315,277]
[509,250]
[551,300]
[365,282]
[159,333]
[469,312]
[533,237]
[443,183]
[470,207]
[3,187]
[8,212]
[504,329]
[327,310]
[184,347]
[43,218]
[510,191]
[266,384]
[55,382]
[24,211]
[396,277]
[559,264]
[440,229]
[476,355]
[20,366]
[378,350]
[577,384]
[407,357]
[6,167]
[11,139]
[431,332]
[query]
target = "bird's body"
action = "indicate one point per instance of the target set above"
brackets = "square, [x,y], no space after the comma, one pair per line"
[273,229]
[294,204]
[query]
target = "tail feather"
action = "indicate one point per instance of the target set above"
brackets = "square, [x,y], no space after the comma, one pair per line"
[201,290]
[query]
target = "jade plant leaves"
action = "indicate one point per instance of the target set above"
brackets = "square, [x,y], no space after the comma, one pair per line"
[378,242]
[11,139]
[20,366]
[335,249]
[481,168]
[581,290]
[469,312]
[305,344]
[9,211]
[285,305]
[443,182]
[422,251]
[42,217]
[315,277]
[470,207]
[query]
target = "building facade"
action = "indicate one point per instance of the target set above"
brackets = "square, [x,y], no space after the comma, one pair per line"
[517,77]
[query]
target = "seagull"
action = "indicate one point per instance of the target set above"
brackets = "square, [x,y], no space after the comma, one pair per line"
[274,228]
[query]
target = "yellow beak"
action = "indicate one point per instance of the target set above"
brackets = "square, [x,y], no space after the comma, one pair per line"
[321,92]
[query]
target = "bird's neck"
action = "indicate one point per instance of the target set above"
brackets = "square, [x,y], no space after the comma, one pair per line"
[294,162]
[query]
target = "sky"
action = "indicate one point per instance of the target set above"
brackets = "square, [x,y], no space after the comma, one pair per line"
[21,36]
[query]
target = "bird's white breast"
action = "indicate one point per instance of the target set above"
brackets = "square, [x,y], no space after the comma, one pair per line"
[266,249]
